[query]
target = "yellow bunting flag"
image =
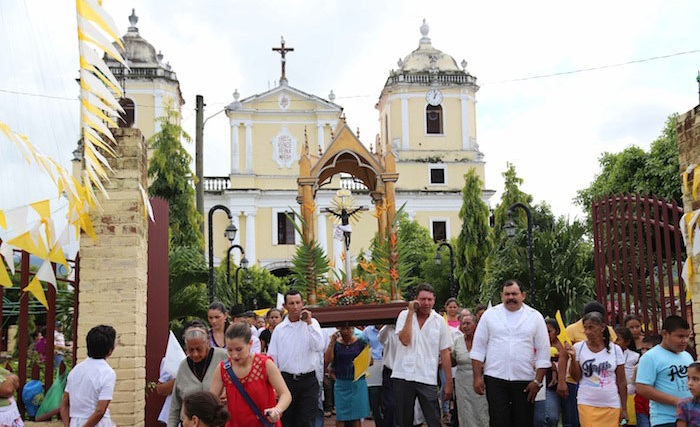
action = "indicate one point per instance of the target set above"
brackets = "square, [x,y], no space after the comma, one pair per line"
[38,291]
[24,241]
[696,182]
[361,363]
[43,208]
[4,277]
[3,221]
[56,255]
[563,336]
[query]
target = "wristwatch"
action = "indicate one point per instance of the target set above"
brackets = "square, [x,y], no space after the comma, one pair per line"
[539,384]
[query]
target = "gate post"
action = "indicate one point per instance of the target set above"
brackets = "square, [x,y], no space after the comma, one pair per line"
[114,275]
[688,129]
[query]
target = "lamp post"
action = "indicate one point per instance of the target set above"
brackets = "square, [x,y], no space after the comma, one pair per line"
[228,264]
[230,234]
[510,228]
[438,261]
[243,266]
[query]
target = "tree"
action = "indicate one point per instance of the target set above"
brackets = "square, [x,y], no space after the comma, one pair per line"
[262,288]
[563,257]
[473,244]
[170,173]
[635,171]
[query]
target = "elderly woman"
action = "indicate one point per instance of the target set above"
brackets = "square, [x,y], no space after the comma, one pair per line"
[472,409]
[196,371]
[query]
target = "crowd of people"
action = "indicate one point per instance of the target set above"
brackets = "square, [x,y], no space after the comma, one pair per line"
[500,366]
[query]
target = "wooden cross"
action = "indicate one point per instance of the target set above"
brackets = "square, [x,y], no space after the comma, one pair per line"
[283,51]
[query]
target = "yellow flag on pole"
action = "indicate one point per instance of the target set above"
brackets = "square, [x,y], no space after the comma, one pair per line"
[563,336]
[361,363]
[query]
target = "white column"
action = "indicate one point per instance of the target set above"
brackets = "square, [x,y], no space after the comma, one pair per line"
[249,147]
[404,121]
[464,100]
[322,231]
[250,236]
[158,108]
[319,127]
[235,149]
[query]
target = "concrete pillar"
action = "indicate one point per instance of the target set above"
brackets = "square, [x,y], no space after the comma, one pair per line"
[113,276]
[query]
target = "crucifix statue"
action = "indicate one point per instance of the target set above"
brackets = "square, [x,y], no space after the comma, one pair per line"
[283,52]
[344,209]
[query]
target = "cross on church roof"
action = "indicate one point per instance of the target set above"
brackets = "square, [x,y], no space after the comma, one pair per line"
[283,52]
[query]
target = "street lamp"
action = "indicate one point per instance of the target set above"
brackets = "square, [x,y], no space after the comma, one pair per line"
[510,227]
[228,263]
[243,266]
[438,261]
[230,234]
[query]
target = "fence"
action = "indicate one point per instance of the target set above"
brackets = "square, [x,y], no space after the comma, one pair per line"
[19,312]
[638,255]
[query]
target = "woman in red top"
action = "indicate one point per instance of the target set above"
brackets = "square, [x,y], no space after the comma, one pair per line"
[259,377]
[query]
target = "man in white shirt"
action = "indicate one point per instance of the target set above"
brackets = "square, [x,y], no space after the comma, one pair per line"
[424,338]
[510,342]
[293,347]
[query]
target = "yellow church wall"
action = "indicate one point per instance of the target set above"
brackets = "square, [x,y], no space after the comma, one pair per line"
[416,176]
[454,223]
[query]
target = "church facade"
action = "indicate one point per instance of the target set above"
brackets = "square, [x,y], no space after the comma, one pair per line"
[427,118]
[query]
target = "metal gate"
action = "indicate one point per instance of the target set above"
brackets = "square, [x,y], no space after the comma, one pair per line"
[638,255]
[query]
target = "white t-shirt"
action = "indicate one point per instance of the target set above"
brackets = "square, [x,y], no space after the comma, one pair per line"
[598,386]
[419,360]
[631,360]
[164,378]
[90,381]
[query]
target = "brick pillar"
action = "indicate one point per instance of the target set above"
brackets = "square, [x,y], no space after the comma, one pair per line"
[113,276]
[688,130]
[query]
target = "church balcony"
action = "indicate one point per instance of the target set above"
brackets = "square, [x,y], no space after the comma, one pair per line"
[427,79]
[223,183]
[217,183]
[148,73]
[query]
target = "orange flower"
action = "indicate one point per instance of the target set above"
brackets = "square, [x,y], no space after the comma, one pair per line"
[394,274]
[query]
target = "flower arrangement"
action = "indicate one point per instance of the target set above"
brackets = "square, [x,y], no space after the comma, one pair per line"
[366,288]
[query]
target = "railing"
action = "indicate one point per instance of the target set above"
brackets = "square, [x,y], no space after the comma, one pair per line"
[223,183]
[143,72]
[426,79]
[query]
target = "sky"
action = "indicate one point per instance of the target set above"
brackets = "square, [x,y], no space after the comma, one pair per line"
[552,129]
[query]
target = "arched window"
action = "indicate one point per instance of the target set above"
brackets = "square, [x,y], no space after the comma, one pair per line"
[127,118]
[433,119]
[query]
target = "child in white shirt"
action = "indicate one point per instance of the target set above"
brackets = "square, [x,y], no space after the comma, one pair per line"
[90,385]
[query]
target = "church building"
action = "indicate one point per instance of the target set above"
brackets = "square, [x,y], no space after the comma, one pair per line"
[427,117]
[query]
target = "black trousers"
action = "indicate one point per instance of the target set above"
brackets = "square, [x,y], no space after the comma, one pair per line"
[406,392]
[388,398]
[304,407]
[508,405]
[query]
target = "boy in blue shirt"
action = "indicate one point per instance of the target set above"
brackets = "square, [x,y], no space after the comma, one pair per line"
[662,375]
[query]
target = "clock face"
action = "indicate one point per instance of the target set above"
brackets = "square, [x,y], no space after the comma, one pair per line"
[434,97]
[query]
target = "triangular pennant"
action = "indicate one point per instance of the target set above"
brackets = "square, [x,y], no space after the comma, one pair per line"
[4,277]
[16,218]
[3,221]
[25,242]
[59,257]
[7,252]
[45,273]
[43,208]
[37,290]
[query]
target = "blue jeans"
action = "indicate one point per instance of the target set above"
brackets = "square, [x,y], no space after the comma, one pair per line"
[569,409]
[643,420]
[547,411]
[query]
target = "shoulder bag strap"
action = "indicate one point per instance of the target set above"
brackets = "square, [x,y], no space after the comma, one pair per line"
[249,401]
